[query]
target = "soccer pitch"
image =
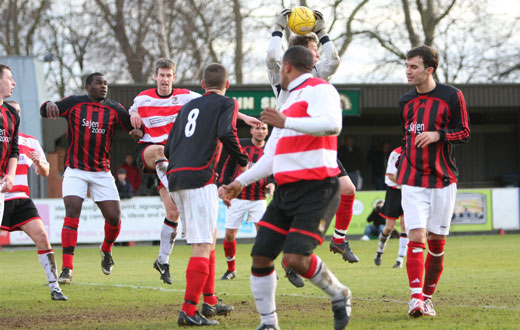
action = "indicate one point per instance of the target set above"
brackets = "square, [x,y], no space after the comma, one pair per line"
[479,289]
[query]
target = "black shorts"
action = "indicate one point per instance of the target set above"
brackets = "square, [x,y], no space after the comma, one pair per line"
[342,169]
[18,212]
[297,218]
[392,208]
[139,159]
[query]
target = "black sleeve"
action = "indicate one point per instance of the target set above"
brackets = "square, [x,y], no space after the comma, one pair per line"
[63,105]
[124,117]
[227,131]
[228,172]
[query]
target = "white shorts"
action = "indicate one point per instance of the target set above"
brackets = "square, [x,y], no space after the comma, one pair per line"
[101,185]
[238,209]
[429,208]
[198,209]
[2,195]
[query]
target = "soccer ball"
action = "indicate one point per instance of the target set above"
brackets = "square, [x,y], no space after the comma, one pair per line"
[301,20]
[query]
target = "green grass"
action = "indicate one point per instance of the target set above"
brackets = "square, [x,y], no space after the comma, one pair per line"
[479,289]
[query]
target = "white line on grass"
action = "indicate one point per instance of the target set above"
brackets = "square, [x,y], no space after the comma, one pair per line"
[396,301]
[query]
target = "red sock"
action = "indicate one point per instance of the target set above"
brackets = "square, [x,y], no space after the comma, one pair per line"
[196,276]
[415,267]
[111,233]
[230,250]
[209,289]
[344,215]
[434,265]
[69,240]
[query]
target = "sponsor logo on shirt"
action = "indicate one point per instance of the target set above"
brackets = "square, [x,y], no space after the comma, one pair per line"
[93,125]
[416,128]
[3,136]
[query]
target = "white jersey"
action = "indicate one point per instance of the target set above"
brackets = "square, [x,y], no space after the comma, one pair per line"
[391,168]
[324,68]
[305,149]
[26,144]
[158,113]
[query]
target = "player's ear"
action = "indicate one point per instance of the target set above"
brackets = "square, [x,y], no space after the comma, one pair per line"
[227,84]
[203,84]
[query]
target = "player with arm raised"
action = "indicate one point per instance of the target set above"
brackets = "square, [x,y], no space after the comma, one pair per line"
[301,154]
[434,119]
[193,149]
[323,68]
[92,120]
[20,213]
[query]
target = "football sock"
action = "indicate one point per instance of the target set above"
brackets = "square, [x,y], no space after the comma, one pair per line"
[383,240]
[319,275]
[111,233]
[196,276]
[415,268]
[209,288]
[343,217]
[263,285]
[168,234]
[161,166]
[434,266]
[69,239]
[403,245]
[230,249]
[48,262]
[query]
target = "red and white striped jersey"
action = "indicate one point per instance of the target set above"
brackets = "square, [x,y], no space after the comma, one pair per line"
[26,145]
[305,149]
[391,167]
[158,113]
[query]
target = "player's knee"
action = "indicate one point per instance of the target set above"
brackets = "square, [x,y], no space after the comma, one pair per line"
[41,239]
[346,187]
[294,261]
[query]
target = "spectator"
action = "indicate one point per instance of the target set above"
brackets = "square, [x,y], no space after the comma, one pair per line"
[123,186]
[133,174]
[378,222]
[350,156]
[378,157]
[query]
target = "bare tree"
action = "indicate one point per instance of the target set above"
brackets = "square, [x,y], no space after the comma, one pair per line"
[20,21]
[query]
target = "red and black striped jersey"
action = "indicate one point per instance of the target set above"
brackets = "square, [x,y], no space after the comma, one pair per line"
[442,110]
[91,127]
[230,170]
[202,127]
[9,122]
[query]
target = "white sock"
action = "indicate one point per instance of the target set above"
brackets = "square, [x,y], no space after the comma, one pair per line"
[264,290]
[324,279]
[339,234]
[48,262]
[161,169]
[382,242]
[403,247]
[168,235]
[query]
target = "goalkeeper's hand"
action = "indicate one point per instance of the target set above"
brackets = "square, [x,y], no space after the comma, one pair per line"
[320,28]
[280,22]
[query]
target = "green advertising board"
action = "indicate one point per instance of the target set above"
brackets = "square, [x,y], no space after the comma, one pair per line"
[472,212]
[251,102]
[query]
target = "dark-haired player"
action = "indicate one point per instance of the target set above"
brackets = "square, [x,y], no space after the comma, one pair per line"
[92,120]
[193,149]
[323,68]
[434,119]
[20,213]
[10,120]
[251,201]
[301,154]
[155,111]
